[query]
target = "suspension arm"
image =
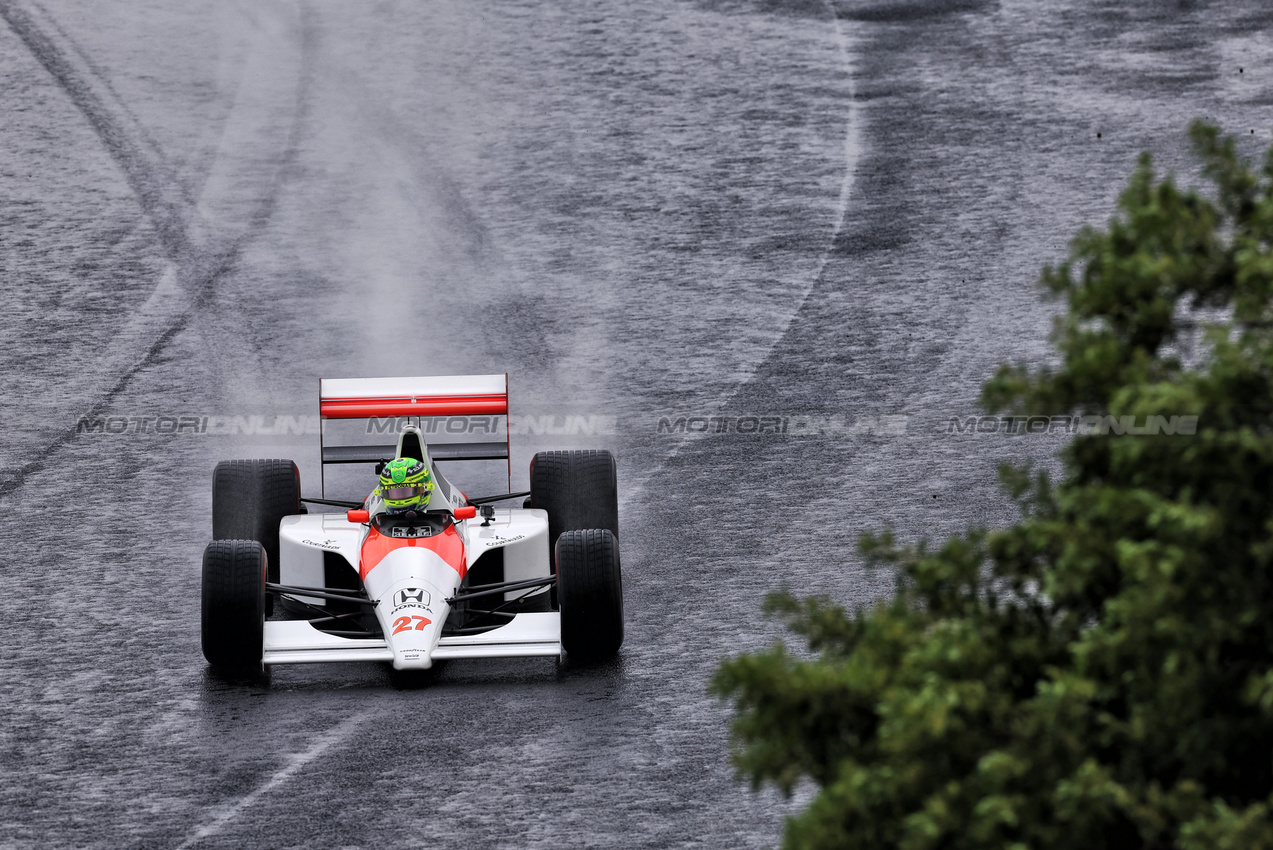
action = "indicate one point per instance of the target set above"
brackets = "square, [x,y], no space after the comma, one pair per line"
[501,587]
[321,593]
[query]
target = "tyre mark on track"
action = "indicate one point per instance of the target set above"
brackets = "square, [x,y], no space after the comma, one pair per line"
[852,154]
[148,175]
[295,763]
[196,257]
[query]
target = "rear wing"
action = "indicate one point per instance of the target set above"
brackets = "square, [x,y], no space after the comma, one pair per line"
[419,398]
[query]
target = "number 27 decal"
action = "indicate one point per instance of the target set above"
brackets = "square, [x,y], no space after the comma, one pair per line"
[403,624]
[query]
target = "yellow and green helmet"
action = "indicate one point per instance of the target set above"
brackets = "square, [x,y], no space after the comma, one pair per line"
[405,485]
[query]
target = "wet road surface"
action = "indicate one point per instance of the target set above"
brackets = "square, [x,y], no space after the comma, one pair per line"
[828,215]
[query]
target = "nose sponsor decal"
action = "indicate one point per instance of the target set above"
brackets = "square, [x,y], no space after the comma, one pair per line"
[408,595]
[414,622]
[405,602]
[411,597]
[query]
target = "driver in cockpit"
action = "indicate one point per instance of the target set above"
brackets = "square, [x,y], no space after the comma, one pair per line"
[406,484]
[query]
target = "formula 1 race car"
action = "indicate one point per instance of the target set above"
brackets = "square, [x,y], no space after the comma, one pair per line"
[461,579]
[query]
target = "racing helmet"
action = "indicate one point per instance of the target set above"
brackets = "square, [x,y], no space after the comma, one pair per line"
[405,485]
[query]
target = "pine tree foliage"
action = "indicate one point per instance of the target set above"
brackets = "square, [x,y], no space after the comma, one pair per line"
[1099,675]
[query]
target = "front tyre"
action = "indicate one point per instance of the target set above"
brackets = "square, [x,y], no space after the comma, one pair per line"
[233,620]
[589,593]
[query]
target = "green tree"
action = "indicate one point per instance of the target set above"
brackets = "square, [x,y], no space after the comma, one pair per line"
[1099,675]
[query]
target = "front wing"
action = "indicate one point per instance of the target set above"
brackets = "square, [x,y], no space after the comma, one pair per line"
[528,635]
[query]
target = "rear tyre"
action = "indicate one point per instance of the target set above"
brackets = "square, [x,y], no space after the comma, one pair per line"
[579,489]
[233,621]
[590,592]
[249,498]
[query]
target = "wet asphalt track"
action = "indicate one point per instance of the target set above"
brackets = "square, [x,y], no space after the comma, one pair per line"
[638,210]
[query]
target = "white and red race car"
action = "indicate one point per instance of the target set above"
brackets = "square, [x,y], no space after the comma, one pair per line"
[462,579]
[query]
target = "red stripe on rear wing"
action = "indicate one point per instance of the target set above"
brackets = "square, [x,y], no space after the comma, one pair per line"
[369,408]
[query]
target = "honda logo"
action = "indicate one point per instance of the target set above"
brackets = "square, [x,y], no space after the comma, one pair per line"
[410,596]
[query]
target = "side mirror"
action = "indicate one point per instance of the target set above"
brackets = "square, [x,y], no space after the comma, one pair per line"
[358,516]
[467,512]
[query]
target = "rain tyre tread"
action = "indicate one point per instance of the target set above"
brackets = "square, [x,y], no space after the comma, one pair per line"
[590,592]
[233,605]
